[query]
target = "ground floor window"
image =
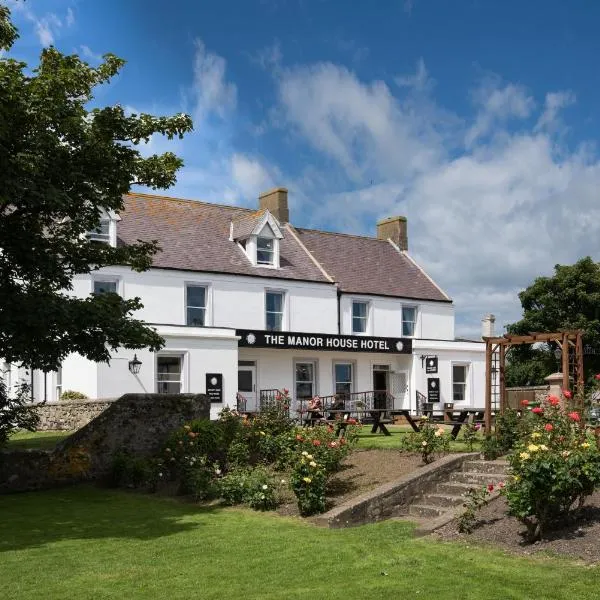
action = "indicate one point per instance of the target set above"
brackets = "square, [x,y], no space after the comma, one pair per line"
[59,383]
[459,382]
[305,380]
[168,374]
[344,378]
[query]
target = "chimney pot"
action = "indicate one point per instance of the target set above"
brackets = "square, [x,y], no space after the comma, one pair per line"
[395,229]
[487,326]
[276,202]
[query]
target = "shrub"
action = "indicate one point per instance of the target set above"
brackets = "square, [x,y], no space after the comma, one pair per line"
[429,441]
[132,471]
[198,478]
[308,481]
[470,434]
[16,412]
[475,500]
[256,487]
[197,438]
[554,467]
[490,447]
[73,395]
[327,448]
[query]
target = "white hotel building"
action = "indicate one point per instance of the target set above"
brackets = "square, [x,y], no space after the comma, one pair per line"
[245,296]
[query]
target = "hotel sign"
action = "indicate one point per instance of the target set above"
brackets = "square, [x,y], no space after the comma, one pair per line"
[251,338]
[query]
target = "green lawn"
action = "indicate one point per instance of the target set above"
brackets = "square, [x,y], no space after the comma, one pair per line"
[378,440]
[36,439]
[89,543]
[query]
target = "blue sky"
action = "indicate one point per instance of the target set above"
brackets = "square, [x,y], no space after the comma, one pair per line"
[476,119]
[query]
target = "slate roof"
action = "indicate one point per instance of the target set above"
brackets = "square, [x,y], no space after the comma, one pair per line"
[244,224]
[194,236]
[365,265]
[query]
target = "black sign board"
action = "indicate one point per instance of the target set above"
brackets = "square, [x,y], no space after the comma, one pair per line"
[433,389]
[431,364]
[251,338]
[214,387]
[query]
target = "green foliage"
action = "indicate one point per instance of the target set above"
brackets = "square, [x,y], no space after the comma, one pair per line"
[430,441]
[16,411]
[256,487]
[570,299]
[328,449]
[490,447]
[554,466]
[507,429]
[198,477]
[62,167]
[308,481]
[132,471]
[73,395]
[475,500]
[471,434]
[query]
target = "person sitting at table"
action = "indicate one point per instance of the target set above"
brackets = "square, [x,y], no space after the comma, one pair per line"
[315,409]
[336,406]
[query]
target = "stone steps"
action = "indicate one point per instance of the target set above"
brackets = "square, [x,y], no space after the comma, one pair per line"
[443,502]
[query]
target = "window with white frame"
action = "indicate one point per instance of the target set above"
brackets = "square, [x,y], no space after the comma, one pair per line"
[274,304]
[409,321]
[360,315]
[102,232]
[59,383]
[265,251]
[196,305]
[343,374]
[105,286]
[169,374]
[459,382]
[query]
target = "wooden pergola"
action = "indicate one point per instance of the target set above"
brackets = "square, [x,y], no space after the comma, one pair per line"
[570,344]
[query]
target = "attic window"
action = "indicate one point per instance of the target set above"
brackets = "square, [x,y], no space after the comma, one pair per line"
[265,251]
[102,232]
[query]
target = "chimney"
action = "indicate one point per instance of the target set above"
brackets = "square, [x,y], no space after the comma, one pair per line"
[395,229]
[487,326]
[276,201]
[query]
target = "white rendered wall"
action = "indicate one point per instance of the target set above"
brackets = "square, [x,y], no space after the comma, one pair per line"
[434,319]
[234,301]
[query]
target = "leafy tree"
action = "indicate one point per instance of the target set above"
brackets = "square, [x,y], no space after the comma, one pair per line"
[62,167]
[570,299]
[16,411]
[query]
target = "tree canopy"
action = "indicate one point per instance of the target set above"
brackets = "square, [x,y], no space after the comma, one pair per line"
[570,299]
[63,166]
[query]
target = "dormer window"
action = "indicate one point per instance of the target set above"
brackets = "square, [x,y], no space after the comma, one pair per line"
[265,251]
[106,232]
[102,232]
[258,236]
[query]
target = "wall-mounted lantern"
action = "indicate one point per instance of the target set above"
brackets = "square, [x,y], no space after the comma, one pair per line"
[134,365]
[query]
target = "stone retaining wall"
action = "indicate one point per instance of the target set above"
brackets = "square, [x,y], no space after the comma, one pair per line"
[135,423]
[393,499]
[70,415]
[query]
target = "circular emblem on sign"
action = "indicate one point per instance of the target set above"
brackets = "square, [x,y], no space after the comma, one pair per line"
[251,338]
[430,362]
[399,346]
[433,384]
[213,381]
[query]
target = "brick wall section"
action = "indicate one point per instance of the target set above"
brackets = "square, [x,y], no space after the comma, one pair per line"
[393,499]
[136,423]
[70,415]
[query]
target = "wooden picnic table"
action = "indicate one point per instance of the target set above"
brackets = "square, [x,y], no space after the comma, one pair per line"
[451,416]
[342,416]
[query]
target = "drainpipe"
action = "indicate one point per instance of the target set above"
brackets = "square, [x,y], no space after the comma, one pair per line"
[339,311]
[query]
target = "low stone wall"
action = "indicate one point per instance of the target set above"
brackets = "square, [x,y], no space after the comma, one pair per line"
[70,415]
[393,499]
[135,423]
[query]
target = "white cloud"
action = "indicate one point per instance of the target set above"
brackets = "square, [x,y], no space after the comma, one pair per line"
[46,27]
[89,54]
[419,81]
[70,18]
[486,216]
[213,93]
[555,102]
[497,104]
[250,176]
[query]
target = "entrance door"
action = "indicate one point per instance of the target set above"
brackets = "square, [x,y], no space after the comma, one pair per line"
[399,389]
[247,383]
[381,379]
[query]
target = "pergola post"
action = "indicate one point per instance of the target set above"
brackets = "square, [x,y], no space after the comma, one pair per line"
[488,387]
[502,382]
[565,361]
